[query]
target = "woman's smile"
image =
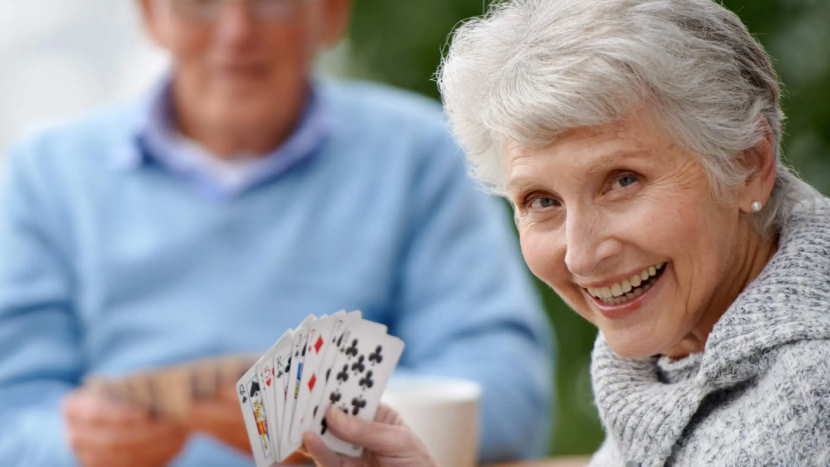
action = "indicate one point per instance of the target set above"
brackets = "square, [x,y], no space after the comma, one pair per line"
[620,299]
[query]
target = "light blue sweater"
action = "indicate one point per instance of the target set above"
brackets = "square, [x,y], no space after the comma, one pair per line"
[108,268]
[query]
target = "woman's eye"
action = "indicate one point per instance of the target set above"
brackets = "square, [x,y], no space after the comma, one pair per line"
[542,202]
[627,179]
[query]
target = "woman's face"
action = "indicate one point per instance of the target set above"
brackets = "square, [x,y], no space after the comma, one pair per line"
[620,220]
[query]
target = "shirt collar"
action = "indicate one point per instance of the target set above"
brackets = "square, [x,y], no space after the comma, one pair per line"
[154,134]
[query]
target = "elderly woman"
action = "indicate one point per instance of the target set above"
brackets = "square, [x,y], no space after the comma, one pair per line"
[639,144]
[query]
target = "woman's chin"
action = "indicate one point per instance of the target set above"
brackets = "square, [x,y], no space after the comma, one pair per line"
[639,338]
[625,348]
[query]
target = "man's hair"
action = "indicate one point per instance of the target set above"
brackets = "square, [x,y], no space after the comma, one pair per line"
[529,70]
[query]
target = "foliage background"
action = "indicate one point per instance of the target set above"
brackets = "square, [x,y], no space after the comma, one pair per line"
[401,42]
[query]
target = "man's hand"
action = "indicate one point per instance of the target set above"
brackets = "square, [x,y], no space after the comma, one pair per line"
[103,432]
[387,442]
[221,418]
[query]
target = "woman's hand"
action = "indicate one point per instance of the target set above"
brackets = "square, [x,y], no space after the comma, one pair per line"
[386,442]
[103,432]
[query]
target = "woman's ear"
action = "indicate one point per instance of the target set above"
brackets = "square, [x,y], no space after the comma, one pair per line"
[761,166]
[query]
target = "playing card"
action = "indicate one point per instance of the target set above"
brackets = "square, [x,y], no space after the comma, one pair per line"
[135,389]
[337,339]
[281,358]
[294,379]
[265,371]
[205,378]
[270,393]
[339,360]
[232,367]
[112,388]
[140,390]
[172,391]
[317,345]
[360,372]
[249,392]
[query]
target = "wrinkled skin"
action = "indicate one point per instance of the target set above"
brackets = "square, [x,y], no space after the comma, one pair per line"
[387,442]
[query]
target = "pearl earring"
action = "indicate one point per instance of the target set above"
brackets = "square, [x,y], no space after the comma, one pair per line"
[756,206]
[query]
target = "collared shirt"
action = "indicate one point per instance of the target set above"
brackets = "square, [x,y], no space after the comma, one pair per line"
[158,139]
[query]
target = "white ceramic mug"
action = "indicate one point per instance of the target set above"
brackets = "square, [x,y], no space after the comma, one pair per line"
[443,412]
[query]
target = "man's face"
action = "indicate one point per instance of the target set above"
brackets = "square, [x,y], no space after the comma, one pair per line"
[241,56]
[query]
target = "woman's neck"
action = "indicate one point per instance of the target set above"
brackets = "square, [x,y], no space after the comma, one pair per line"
[755,252]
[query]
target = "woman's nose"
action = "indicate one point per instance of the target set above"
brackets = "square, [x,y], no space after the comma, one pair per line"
[588,241]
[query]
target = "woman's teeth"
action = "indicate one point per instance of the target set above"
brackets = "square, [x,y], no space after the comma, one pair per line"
[628,289]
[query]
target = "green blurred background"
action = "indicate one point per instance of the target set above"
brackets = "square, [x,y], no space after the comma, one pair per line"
[400,43]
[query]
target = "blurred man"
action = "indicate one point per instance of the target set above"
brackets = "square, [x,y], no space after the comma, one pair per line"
[236,198]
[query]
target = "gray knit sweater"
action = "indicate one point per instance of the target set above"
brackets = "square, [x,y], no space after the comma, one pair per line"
[759,393]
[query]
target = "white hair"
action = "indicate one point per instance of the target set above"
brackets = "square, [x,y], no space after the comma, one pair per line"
[529,70]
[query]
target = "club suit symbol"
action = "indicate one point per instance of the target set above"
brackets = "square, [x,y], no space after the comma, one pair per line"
[376,357]
[334,397]
[352,350]
[343,375]
[358,403]
[359,366]
[367,381]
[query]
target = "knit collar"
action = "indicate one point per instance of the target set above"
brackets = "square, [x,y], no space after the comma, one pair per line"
[785,303]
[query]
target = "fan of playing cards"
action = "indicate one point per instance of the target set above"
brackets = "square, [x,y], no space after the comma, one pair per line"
[170,392]
[340,359]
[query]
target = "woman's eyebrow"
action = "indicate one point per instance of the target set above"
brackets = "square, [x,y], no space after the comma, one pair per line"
[595,164]
[603,162]
[519,184]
